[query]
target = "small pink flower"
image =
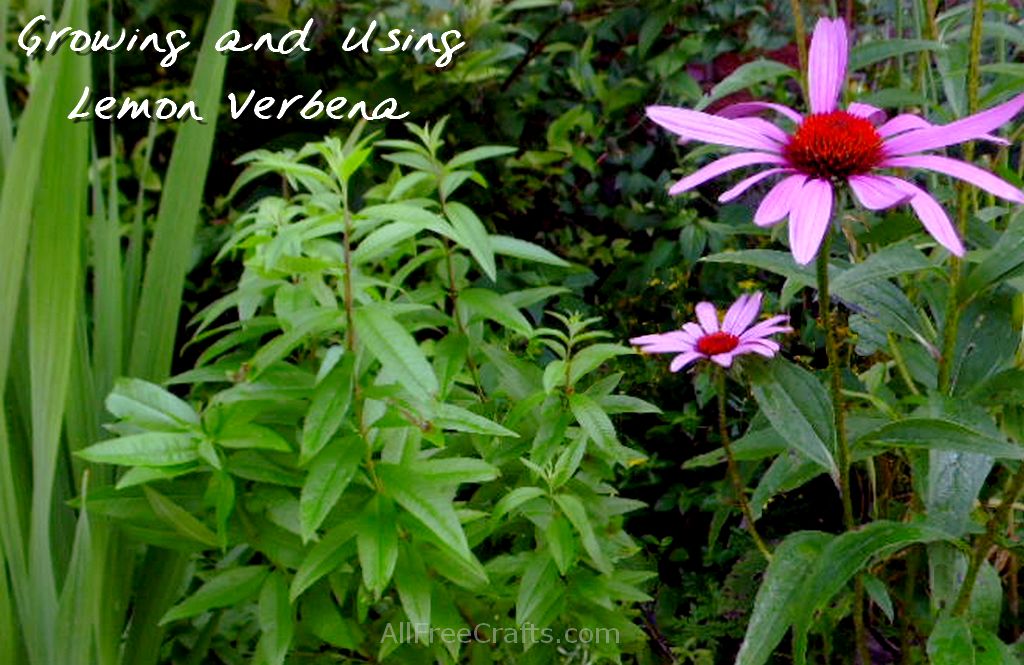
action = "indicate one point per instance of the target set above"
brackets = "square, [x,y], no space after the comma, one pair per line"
[718,342]
[832,146]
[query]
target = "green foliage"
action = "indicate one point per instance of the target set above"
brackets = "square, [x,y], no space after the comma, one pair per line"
[403,423]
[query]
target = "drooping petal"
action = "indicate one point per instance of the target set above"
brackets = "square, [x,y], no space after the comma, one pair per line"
[684,359]
[746,109]
[809,219]
[777,202]
[742,313]
[668,346]
[767,327]
[745,184]
[708,317]
[972,127]
[931,214]
[871,113]
[710,128]
[826,70]
[678,340]
[962,170]
[759,349]
[723,359]
[769,344]
[723,165]
[875,193]
[907,122]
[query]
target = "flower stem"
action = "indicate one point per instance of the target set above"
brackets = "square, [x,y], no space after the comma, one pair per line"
[733,469]
[801,40]
[836,381]
[951,321]
[842,443]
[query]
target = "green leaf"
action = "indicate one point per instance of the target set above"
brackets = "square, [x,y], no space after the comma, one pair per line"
[752,446]
[245,436]
[451,471]
[541,593]
[991,650]
[478,154]
[798,408]
[310,325]
[780,263]
[149,449]
[514,499]
[326,556]
[887,263]
[413,585]
[937,434]
[849,553]
[180,519]
[471,234]
[1006,387]
[486,304]
[276,618]
[592,357]
[573,509]
[411,214]
[868,53]
[745,76]
[324,619]
[139,475]
[594,421]
[778,593]
[329,476]
[430,507]
[328,409]
[150,406]
[1005,260]
[561,543]
[528,251]
[224,589]
[377,543]
[879,596]
[951,643]
[451,417]
[396,349]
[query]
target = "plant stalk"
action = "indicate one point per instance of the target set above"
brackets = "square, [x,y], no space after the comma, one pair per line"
[801,39]
[951,321]
[825,319]
[984,544]
[733,468]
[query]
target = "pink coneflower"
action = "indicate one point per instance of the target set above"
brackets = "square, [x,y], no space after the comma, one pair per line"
[832,146]
[718,342]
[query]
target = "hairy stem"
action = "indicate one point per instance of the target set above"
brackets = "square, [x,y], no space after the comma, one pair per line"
[350,329]
[953,305]
[733,468]
[801,39]
[835,366]
[836,381]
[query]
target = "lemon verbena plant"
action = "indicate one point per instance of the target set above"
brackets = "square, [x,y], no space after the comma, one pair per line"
[387,447]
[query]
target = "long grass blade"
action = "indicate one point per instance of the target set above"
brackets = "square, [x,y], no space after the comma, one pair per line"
[35,599]
[53,278]
[157,319]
